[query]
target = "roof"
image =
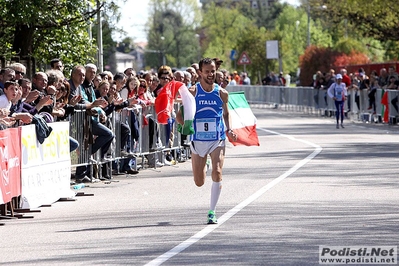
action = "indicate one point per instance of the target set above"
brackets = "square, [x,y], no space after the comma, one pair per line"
[123,56]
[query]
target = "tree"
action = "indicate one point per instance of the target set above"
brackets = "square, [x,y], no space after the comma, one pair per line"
[253,41]
[367,18]
[171,34]
[223,28]
[325,58]
[48,29]
[291,29]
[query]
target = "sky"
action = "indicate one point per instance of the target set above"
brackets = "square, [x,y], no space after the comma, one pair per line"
[134,15]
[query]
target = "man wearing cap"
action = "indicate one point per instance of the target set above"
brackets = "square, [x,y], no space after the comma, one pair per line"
[218,62]
[337,91]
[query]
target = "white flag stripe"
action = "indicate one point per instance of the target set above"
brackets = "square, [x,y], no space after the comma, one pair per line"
[242,117]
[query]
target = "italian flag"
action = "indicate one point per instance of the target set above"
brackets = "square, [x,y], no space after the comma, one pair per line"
[243,120]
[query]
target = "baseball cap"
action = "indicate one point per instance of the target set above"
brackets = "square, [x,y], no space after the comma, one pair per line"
[217,60]
[338,76]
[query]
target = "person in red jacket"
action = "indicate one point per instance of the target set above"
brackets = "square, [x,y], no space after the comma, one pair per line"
[347,80]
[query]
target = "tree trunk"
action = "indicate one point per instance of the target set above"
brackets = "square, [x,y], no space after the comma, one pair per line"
[23,40]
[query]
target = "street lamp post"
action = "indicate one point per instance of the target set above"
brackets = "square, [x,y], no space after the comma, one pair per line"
[308,13]
[199,47]
[323,7]
[163,51]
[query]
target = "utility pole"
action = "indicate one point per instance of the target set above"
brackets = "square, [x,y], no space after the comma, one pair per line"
[100,63]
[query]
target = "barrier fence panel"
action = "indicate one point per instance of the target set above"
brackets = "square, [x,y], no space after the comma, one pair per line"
[308,99]
[393,97]
[76,130]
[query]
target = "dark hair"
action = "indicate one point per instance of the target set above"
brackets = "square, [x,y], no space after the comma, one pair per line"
[22,80]
[67,88]
[129,68]
[10,83]
[119,76]
[205,61]
[54,61]
[102,75]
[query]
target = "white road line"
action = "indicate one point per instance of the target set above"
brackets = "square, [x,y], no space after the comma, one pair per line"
[208,229]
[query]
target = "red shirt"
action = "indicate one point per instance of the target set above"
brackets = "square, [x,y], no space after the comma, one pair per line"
[346,79]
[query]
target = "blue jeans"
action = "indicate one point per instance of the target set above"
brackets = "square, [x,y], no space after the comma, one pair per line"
[73,144]
[104,138]
[103,141]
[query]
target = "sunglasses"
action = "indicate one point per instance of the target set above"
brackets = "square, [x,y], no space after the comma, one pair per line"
[164,78]
[143,86]
[19,73]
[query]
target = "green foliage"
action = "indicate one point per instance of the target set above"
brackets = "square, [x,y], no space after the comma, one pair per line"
[377,19]
[224,28]
[349,45]
[172,32]
[291,27]
[253,42]
[48,29]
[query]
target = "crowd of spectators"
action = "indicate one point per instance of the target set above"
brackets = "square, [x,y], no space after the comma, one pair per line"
[51,96]
[357,82]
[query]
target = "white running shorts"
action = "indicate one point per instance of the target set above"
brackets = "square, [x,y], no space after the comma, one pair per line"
[203,148]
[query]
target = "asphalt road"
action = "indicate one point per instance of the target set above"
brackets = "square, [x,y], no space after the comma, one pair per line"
[307,185]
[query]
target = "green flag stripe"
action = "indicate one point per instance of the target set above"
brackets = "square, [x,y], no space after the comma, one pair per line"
[237,100]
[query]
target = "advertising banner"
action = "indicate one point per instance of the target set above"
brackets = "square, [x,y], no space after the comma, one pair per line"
[10,172]
[45,168]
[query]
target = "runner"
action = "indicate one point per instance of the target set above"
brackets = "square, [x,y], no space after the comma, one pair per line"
[212,122]
[338,93]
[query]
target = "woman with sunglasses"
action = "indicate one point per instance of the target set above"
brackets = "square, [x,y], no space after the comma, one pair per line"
[143,94]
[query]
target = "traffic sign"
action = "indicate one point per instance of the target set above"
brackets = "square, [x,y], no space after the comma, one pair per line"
[244,59]
[233,55]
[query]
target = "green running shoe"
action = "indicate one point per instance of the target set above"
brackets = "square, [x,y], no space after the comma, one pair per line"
[212,218]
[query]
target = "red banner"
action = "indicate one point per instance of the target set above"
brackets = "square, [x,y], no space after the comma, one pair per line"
[10,164]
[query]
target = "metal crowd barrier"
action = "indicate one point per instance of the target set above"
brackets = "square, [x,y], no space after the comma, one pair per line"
[154,139]
[312,101]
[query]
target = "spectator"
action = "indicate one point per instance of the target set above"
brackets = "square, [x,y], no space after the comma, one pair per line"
[20,70]
[88,102]
[6,74]
[154,86]
[218,62]
[318,82]
[187,79]
[245,79]
[353,90]
[10,93]
[194,76]
[232,80]
[179,76]
[56,64]
[371,93]
[383,78]
[196,68]
[267,80]
[347,80]
[219,78]
[392,73]
[281,79]
[129,72]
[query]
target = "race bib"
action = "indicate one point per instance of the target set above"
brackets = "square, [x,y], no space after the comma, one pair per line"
[206,129]
[339,96]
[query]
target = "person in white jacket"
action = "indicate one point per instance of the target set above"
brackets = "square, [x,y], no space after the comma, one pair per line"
[337,91]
